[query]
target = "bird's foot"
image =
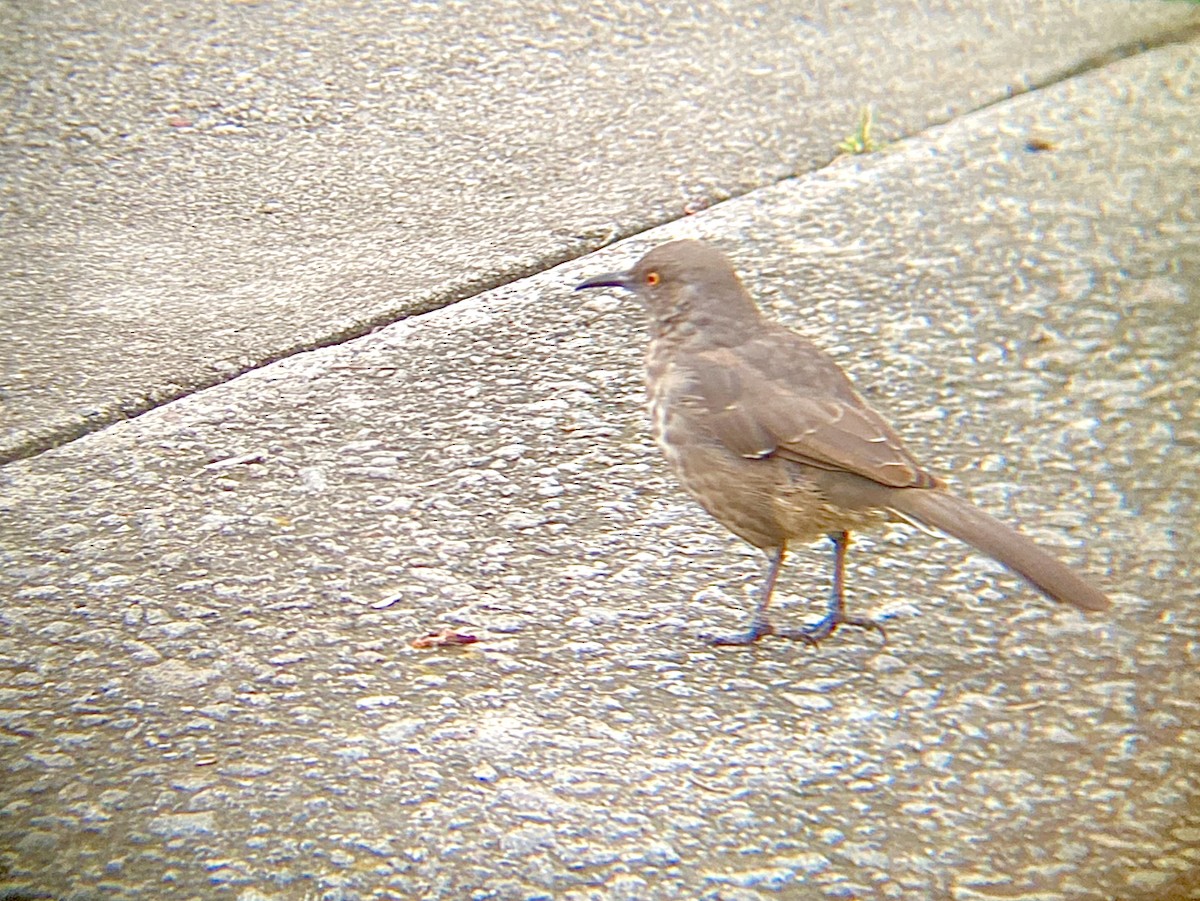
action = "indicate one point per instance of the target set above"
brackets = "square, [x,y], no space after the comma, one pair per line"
[812,634]
[757,630]
[826,626]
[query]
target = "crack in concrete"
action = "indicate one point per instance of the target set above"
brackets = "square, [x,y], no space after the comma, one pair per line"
[123,411]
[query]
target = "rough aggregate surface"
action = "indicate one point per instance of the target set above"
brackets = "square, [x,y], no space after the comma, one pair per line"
[206,682]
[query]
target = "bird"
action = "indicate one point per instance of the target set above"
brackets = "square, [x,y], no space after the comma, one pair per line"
[768,433]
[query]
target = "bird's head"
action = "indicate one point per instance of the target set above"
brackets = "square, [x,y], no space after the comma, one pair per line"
[684,283]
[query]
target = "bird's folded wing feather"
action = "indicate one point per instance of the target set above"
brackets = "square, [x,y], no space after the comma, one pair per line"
[807,412]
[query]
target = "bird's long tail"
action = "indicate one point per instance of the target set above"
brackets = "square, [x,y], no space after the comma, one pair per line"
[966,522]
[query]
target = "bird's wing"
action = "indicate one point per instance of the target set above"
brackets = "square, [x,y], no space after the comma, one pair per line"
[788,399]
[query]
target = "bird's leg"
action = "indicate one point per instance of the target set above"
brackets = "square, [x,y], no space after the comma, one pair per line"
[759,626]
[836,614]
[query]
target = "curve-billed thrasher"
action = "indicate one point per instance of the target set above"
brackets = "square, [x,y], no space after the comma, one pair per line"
[766,431]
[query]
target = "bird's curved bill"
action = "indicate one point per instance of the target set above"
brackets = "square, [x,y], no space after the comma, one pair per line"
[607,280]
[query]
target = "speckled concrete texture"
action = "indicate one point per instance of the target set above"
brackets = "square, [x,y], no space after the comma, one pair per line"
[190,191]
[207,688]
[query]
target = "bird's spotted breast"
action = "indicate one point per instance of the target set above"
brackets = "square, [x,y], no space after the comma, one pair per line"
[749,497]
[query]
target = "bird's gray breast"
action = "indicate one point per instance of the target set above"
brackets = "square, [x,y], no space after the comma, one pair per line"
[735,487]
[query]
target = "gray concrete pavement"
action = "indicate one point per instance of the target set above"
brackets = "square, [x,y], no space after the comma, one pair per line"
[192,191]
[208,690]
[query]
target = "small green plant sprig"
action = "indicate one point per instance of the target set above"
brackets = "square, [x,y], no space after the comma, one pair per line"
[862,141]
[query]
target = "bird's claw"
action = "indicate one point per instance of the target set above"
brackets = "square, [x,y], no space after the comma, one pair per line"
[757,630]
[811,635]
[826,626]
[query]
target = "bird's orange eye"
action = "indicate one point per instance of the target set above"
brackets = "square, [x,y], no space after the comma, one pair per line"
[653,278]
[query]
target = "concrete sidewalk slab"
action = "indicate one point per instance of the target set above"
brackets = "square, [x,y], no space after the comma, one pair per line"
[193,191]
[207,685]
